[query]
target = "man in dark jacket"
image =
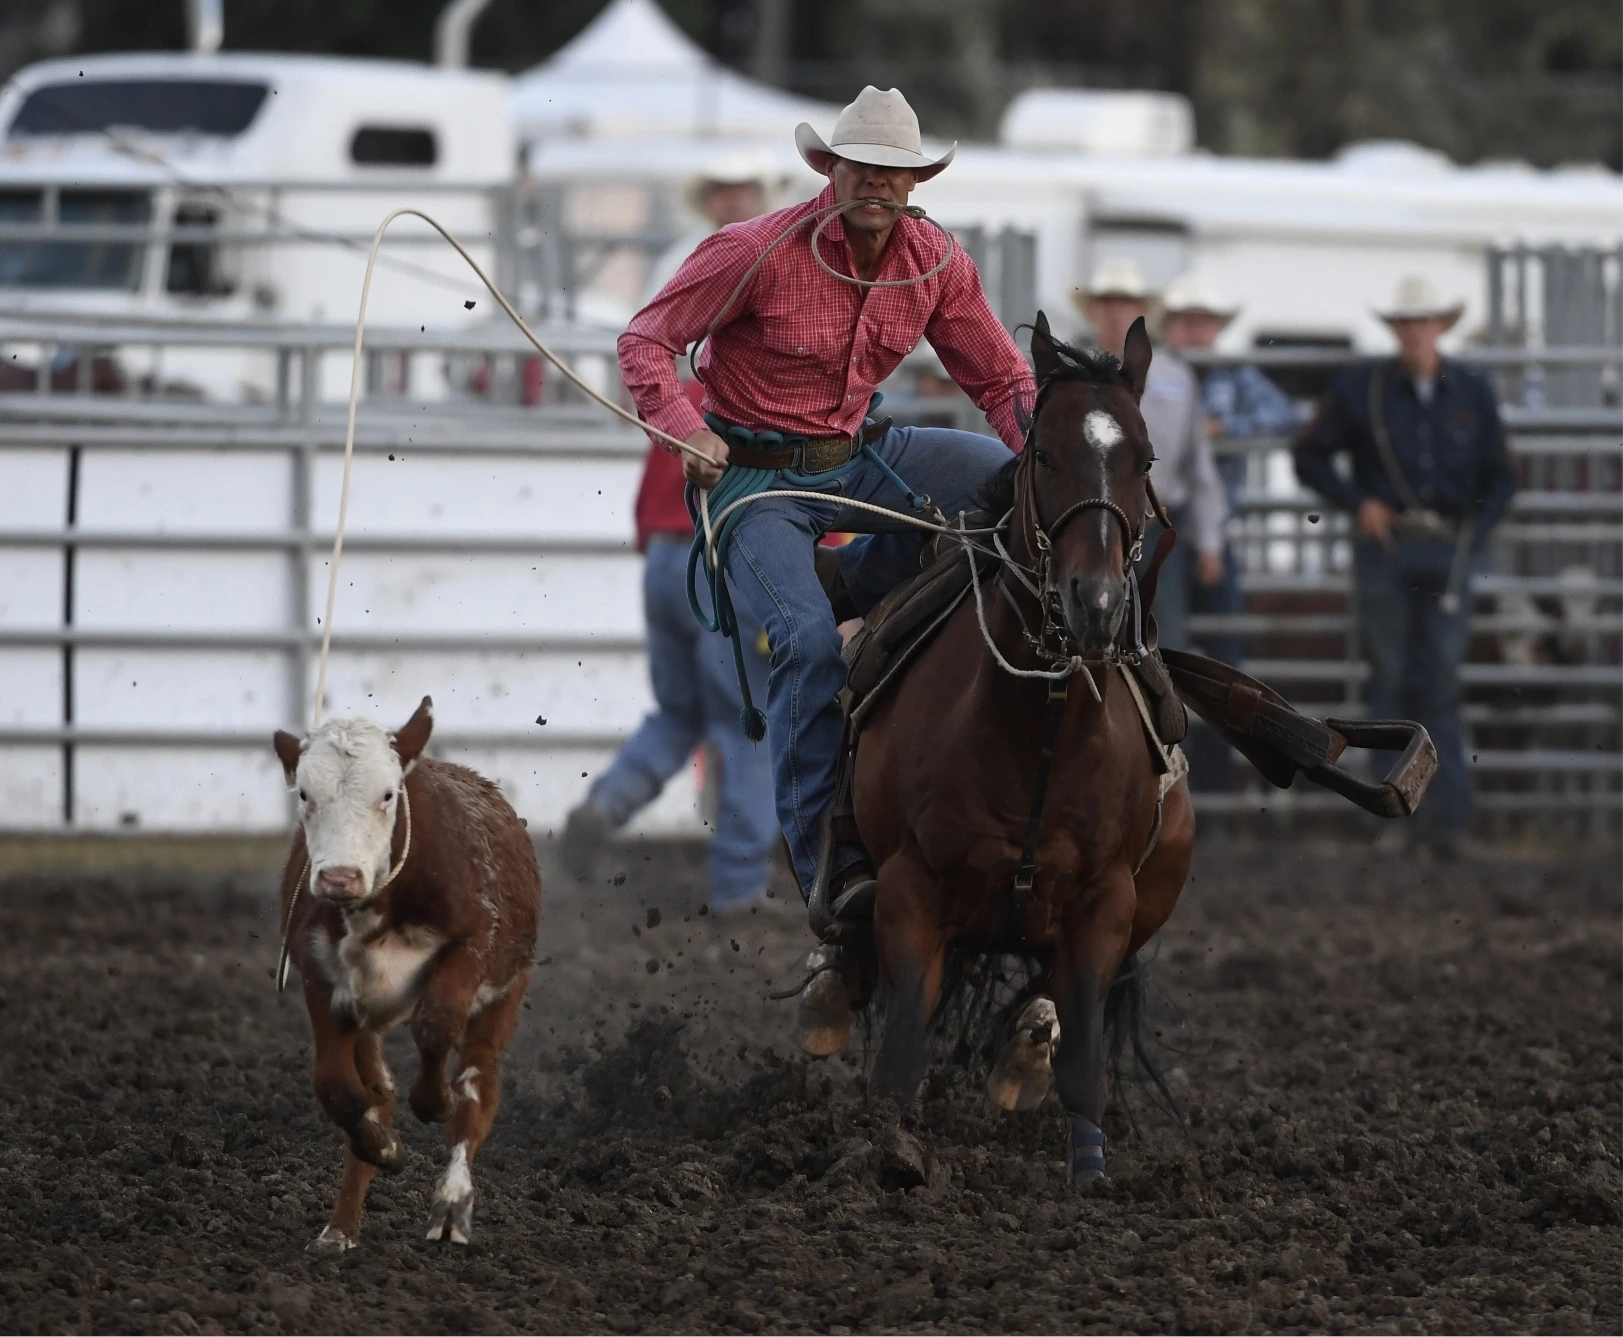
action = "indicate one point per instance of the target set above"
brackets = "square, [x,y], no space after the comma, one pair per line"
[1430,478]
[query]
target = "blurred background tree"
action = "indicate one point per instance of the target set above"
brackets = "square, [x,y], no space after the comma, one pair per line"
[1534,79]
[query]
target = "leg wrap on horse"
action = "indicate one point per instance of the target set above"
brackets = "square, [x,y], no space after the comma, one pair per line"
[1085,1152]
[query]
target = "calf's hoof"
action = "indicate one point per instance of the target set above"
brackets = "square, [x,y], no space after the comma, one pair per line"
[823,1015]
[1024,1069]
[1085,1152]
[430,1100]
[450,1216]
[330,1243]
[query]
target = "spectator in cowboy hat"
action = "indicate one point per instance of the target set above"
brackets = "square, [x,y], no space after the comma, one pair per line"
[1185,474]
[1239,401]
[732,188]
[1430,478]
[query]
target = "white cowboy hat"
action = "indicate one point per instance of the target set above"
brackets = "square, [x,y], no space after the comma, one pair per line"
[1114,276]
[741,167]
[879,129]
[1193,293]
[1417,298]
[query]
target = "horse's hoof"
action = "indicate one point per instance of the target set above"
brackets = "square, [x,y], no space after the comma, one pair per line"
[1024,1069]
[823,1016]
[1087,1178]
[450,1216]
[330,1243]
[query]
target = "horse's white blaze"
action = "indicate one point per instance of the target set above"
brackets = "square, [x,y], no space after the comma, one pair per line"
[345,770]
[1101,431]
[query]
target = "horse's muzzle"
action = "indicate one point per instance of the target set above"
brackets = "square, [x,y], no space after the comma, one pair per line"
[1094,606]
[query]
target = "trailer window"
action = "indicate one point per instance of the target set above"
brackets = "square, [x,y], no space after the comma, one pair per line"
[53,259]
[394,146]
[162,106]
[195,267]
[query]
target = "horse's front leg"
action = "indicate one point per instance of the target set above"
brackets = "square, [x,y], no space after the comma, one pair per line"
[1091,946]
[912,950]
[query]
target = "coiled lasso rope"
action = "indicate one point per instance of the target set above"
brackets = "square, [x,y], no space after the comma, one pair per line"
[704,507]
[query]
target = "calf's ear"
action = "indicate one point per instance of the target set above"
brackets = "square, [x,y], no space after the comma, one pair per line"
[288,749]
[413,738]
[1135,360]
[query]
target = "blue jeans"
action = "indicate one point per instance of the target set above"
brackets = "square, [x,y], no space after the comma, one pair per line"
[696,692]
[772,577]
[1414,650]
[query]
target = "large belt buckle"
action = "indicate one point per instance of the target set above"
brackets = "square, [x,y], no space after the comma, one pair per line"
[821,454]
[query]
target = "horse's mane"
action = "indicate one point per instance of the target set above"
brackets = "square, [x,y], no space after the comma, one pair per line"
[1083,364]
[1093,365]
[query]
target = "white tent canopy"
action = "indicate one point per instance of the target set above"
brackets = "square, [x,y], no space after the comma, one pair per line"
[632,74]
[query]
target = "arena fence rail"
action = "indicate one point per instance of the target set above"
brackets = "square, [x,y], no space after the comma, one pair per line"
[165,554]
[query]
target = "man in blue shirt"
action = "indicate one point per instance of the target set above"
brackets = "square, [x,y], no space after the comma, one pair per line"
[1237,401]
[1430,478]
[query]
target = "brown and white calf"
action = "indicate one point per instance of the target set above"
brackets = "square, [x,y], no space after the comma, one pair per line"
[411,894]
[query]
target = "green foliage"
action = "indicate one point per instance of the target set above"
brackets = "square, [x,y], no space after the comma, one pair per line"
[1538,79]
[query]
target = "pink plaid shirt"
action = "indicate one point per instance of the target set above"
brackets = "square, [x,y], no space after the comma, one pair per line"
[801,352]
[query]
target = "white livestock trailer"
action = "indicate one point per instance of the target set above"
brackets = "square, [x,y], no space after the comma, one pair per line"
[225,186]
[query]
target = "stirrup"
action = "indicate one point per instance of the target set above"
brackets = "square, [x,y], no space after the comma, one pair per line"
[838,916]
[854,903]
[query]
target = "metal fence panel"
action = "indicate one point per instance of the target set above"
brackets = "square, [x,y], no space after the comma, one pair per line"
[163,573]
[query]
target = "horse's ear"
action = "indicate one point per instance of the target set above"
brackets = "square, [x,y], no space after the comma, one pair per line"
[1045,360]
[410,741]
[288,750]
[1135,359]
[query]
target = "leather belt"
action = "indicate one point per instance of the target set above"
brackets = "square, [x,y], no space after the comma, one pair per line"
[815,455]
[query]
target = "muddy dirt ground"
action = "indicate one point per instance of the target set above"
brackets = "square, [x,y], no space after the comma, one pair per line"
[1402,1085]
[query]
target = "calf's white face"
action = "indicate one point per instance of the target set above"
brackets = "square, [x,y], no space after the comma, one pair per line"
[349,775]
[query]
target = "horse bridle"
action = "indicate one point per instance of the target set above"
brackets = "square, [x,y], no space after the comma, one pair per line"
[1046,589]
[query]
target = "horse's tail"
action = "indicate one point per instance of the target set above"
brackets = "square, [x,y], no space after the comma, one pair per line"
[1131,1047]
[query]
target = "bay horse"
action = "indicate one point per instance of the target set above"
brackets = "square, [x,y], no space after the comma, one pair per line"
[946,770]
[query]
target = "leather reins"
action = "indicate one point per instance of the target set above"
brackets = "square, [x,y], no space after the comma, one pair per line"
[1047,593]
